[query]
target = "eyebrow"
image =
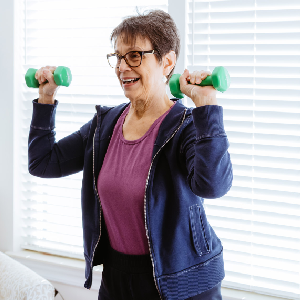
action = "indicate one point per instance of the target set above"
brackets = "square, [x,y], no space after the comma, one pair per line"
[131,48]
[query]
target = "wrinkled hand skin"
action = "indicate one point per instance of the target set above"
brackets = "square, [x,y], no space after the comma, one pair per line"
[200,95]
[48,88]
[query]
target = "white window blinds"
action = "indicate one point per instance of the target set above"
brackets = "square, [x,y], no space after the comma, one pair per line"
[75,34]
[258,221]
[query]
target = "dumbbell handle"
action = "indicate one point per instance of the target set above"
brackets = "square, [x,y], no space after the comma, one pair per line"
[62,76]
[219,79]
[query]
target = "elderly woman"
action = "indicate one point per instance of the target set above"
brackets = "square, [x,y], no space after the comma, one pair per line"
[147,165]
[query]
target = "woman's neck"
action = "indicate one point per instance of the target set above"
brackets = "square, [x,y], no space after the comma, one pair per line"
[141,109]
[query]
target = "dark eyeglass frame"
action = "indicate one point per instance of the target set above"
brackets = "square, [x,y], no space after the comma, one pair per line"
[141,53]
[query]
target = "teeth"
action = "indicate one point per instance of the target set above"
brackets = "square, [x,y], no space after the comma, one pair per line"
[129,80]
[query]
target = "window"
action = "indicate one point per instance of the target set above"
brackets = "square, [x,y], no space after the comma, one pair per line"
[258,221]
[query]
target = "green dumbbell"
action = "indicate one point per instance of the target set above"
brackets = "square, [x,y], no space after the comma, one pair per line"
[219,79]
[62,76]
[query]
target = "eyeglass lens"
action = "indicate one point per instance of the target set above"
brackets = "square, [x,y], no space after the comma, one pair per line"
[133,59]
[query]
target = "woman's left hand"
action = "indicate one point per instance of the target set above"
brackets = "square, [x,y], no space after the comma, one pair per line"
[200,95]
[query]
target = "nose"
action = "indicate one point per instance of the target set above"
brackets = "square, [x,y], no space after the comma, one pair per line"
[123,66]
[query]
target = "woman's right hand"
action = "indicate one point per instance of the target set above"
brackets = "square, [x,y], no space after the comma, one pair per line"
[48,88]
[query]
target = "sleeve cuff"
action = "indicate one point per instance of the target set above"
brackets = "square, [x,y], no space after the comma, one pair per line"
[43,115]
[208,121]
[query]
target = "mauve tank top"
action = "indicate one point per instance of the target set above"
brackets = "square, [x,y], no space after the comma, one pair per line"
[121,187]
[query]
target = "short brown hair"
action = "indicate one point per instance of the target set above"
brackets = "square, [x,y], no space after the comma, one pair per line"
[157,26]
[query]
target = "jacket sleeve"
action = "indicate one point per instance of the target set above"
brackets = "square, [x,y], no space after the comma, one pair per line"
[204,151]
[48,158]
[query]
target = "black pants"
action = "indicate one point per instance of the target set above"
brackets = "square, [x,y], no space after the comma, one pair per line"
[130,277]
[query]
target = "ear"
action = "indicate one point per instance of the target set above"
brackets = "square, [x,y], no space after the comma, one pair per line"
[169,62]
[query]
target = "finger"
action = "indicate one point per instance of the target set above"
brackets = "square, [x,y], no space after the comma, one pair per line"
[183,79]
[47,73]
[52,69]
[198,78]
[205,74]
[42,78]
[38,75]
[192,78]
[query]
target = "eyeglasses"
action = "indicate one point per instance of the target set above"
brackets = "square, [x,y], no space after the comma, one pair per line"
[132,58]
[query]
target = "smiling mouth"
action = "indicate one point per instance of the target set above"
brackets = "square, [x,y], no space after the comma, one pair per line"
[128,81]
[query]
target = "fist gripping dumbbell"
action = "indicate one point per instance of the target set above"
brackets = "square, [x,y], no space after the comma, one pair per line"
[62,76]
[219,79]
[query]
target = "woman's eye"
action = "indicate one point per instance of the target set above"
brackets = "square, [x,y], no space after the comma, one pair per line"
[134,55]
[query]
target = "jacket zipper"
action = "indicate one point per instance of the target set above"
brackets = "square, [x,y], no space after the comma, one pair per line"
[97,196]
[144,198]
[145,201]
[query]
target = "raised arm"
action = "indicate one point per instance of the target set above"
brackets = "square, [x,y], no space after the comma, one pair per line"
[204,153]
[46,158]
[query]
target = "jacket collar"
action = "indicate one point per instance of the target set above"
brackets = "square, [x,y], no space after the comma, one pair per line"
[170,123]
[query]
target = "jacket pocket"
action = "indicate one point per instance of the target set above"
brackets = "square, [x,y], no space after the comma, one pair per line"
[200,229]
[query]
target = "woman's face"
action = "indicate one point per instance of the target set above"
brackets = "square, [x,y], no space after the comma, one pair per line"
[150,72]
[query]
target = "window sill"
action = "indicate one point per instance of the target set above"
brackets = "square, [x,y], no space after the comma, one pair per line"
[56,268]
[233,294]
[71,271]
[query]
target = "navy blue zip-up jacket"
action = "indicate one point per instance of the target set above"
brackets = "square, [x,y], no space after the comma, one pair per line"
[190,162]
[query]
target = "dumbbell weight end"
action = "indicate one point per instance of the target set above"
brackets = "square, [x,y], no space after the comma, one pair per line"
[30,79]
[62,76]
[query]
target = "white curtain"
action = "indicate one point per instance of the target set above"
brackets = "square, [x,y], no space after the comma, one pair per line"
[258,221]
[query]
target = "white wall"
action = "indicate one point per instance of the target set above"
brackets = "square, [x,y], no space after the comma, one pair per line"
[6,123]
[9,115]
